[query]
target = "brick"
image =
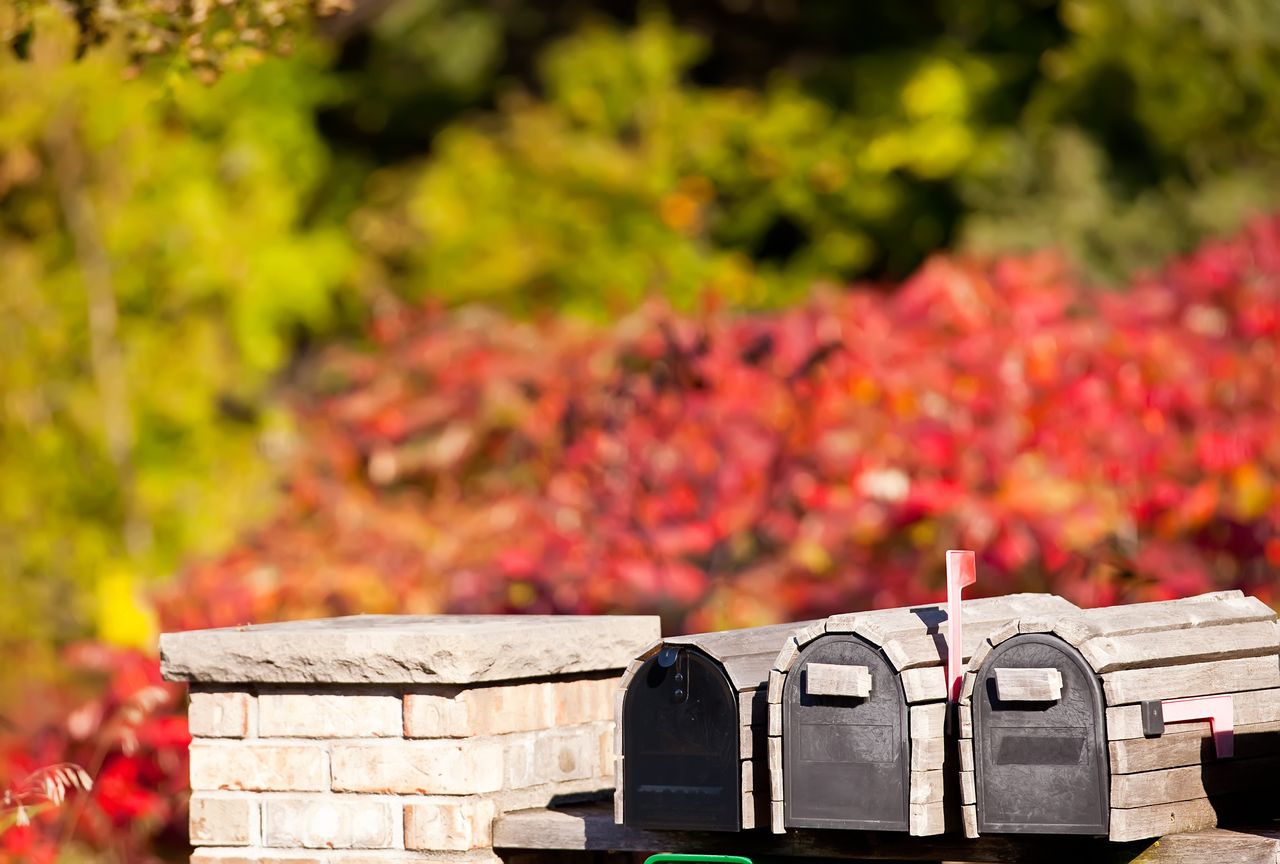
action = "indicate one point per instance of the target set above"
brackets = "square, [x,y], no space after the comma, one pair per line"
[330,715]
[219,715]
[449,824]
[223,820]
[258,767]
[584,701]
[331,822]
[480,711]
[418,767]
[568,754]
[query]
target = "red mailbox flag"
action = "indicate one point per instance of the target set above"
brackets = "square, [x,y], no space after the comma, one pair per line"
[962,570]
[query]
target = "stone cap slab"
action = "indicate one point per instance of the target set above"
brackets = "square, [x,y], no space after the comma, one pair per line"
[407,649]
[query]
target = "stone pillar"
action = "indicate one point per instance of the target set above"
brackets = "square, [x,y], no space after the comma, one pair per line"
[390,739]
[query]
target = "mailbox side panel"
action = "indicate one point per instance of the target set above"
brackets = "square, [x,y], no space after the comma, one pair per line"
[1041,765]
[680,746]
[846,762]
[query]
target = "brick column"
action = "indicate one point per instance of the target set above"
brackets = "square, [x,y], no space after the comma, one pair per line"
[389,740]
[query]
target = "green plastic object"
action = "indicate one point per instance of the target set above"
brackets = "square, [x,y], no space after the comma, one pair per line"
[676,858]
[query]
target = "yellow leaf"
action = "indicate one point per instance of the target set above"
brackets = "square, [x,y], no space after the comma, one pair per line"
[124,618]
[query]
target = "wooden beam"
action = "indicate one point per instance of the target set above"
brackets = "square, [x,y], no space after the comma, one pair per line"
[590,827]
[1190,782]
[1251,707]
[1176,748]
[1224,641]
[1193,679]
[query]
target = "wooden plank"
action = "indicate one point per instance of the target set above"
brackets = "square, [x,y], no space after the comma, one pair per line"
[964,750]
[805,635]
[964,721]
[1193,781]
[1250,707]
[618,698]
[932,618]
[1174,749]
[1181,646]
[968,788]
[776,680]
[775,769]
[926,787]
[776,818]
[1142,822]
[980,655]
[1220,606]
[969,816]
[1028,685]
[1003,633]
[1036,624]
[830,679]
[927,721]
[617,806]
[924,685]
[723,644]
[967,683]
[751,741]
[749,671]
[1193,679]
[1256,846]
[775,718]
[748,776]
[590,827]
[914,650]
[927,820]
[928,753]
[786,655]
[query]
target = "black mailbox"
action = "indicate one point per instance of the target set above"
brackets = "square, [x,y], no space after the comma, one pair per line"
[691,725]
[858,716]
[1114,721]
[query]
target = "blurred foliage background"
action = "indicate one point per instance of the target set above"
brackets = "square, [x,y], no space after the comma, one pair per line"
[196,196]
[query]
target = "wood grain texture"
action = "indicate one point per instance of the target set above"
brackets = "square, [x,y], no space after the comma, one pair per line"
[1028,685]
[1143,822]
[964,721]
[928,720]
[1175,749]
[777,816]
[1255,776]
[1178,646]
[1132,618]
[928,753]
[1251,707]
[805,635]
[786,655]
[831,679]
[964,749]
[590,826]
[968,788]
[927,820]
[924,685]
[775,769]
[969,818]
[926,787]
[1193,679]
[776,680]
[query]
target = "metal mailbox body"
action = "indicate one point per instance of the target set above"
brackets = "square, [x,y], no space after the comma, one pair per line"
[847,761]
[680,737]
[1062,721]
[692,722]
[1041,765]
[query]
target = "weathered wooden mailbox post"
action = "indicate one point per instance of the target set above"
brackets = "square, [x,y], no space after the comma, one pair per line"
[858,707]
[691,729]
[1119,721]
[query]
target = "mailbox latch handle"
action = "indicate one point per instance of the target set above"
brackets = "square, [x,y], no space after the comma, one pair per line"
[1218,710]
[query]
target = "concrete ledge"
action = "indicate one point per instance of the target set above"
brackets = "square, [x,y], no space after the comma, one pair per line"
[407,649]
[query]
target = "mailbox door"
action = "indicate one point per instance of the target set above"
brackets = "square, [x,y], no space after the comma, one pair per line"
[1041,767]
[680,746]
[845,759]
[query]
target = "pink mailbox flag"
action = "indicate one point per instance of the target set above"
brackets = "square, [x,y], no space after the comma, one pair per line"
[962,570]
